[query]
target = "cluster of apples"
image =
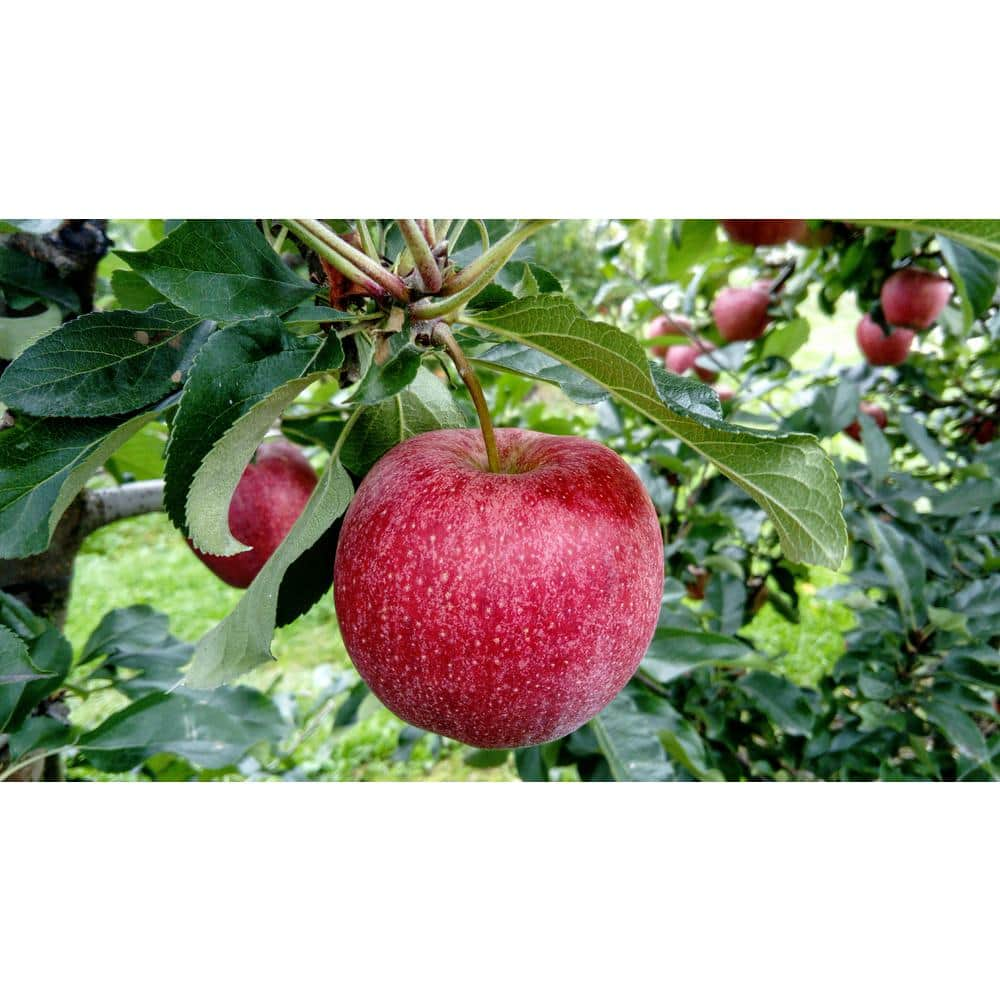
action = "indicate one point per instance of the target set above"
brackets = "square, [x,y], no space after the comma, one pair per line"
[912,299]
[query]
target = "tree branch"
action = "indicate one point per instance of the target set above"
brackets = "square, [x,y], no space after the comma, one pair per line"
[103,507]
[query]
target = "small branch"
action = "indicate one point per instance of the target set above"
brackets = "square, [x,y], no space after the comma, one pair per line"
[388,281]
[427,228]
[103,507]
[443,338]
[420,250]
[469,283]
[367,243]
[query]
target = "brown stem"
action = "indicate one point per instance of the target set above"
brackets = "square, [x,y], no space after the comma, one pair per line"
[416,242]
[445,339]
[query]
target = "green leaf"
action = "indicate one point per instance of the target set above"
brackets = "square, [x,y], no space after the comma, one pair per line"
[141,456]
[237,369]
[39,227]
[425,405]
[212,729]
[242,641]
[979,234]
[104,364]
[19,332]
[34,277]
[133,291]
[44,463]
[959,728]
[132,637]
[876,448]
[675,651]
[833,407]
[383,379]
[974,275]
[917,435]
[629,740]
[972,495]
[221,269]
[39,732]
[16,666]
[313,314]
[904,568]
[511,357]
[785,703]
[784,340]
[790,476]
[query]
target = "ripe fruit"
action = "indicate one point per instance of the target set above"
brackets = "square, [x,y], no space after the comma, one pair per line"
[501,609]
[741,313]
[914,298]
[681,358]
[663,326]
[879,348]
[872,410]
[268,499]
[765,232]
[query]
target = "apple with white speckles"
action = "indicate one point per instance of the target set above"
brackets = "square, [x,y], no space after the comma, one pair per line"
[500,609]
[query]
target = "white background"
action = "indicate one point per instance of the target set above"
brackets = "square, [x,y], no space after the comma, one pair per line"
[518,109]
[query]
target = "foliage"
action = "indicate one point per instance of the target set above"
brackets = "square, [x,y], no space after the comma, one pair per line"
[210,331]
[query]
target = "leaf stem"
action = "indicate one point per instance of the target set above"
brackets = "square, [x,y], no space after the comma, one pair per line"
[469,283]
[388,281]
[420,249]
[445,339]
[339,263]
[368,244]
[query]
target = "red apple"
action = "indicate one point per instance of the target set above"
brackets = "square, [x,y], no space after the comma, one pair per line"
[881,348]
[914,298]
[267,501]
[741,313]
[681,358]
[500,609]
[663,326]
[765,232]
[872,410]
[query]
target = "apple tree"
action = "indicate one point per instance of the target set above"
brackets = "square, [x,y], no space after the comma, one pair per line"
[356,336]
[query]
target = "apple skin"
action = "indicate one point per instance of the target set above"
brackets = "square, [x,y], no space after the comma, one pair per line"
[502,610]
[268,499]
[741,313]
[914,298]
[880,349]
[663,326]
[765,232]
[872,410]
[681,358]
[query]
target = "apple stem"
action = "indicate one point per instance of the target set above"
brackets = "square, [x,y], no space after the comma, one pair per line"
[343,252]
[415,236]
[445,339]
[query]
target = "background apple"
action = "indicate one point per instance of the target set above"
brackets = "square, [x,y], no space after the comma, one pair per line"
[502,610]
[741,313]
[914,297]
[872,410]
[663,326]
[765,232]
[882,349]
[681,358]
[267,501]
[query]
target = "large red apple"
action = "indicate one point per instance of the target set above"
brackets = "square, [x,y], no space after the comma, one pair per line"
[741,313]
[681,358]
[881,348]
[663,326]
[765,232]
[914,298]
[267,501]
[872,410]
[500,609]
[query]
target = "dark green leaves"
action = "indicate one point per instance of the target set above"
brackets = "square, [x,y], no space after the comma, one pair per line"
[527,361]
[425,405]
[974,275]
[238,368]
[104,364]
[212,729]
[221,269]
[44,463]
[674,652]
[786,704]
[34,278]
[630,741]
[385,376]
